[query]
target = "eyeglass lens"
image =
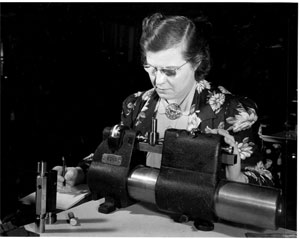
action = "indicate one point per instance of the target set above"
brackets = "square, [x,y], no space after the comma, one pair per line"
[152,70]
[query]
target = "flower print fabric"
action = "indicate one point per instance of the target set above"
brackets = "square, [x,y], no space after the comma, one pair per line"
[202,85]
[216,100]
[212,108]
[193,122]
[243,120]
[245,148]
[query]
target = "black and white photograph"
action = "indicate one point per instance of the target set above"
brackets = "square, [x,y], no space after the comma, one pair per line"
[149,119]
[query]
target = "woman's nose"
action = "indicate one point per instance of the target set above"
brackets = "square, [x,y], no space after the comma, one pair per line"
[159,78]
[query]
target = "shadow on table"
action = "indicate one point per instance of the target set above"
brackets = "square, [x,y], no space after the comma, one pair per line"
[80,230]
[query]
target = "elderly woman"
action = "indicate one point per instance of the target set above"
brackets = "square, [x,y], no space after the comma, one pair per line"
[176,56]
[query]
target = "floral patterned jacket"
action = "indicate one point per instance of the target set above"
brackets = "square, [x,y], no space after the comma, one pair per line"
[212,107]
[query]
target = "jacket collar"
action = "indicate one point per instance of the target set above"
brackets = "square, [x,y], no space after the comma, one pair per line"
[206,112]
[201,104]
[145,123]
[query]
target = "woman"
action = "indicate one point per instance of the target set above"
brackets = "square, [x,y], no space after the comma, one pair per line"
[176,56]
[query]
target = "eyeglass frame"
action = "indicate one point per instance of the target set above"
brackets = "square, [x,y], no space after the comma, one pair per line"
[163,69]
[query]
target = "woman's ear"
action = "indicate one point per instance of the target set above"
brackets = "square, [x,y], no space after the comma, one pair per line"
[197,65]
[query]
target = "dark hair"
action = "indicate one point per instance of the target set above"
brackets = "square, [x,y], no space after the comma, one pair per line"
[163,32]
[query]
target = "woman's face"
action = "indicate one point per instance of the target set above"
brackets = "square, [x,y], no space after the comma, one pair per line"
[176,87]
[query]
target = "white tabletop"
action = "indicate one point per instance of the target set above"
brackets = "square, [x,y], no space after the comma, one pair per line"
[138,220]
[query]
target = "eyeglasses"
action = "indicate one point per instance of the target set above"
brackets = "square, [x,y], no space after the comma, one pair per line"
[170,72]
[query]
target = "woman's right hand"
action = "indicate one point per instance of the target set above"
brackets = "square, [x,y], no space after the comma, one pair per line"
[73,176]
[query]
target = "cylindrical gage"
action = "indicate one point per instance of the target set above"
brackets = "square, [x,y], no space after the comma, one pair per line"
[153,135]
[248,204]
[43,168]
[72,219]
[41,197]
[51,218]
[40,225]
[237,202]
[141,184]
[154,125]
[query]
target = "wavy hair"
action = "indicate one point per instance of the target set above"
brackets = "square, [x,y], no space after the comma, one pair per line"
[161,32]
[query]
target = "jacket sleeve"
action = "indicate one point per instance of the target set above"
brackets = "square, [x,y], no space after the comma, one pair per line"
[241,122]
[130,109]
[128,115]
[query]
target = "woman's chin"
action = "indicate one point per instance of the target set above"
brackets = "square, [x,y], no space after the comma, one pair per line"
[164,95]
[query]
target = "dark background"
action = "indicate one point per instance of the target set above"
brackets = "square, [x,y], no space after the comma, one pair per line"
[67,67]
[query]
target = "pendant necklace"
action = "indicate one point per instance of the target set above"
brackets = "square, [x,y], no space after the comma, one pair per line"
[173,111]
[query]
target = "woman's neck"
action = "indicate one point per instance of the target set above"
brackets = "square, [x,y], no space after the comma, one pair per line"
[181,99]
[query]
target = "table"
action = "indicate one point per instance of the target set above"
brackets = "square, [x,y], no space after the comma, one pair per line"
[280,137]
[137,220]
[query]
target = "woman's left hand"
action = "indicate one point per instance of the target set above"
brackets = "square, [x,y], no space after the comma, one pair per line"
[228,138]
[233,172]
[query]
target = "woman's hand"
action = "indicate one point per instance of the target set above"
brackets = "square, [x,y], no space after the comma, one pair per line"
[73,176]
[233,172]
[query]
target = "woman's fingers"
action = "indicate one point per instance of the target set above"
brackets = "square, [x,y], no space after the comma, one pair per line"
[72,176]
[228,138]
[69,177]
[58,169]
[60,178]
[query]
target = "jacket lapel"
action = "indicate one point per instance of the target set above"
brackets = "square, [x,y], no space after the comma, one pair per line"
[146,121]
[206,114]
